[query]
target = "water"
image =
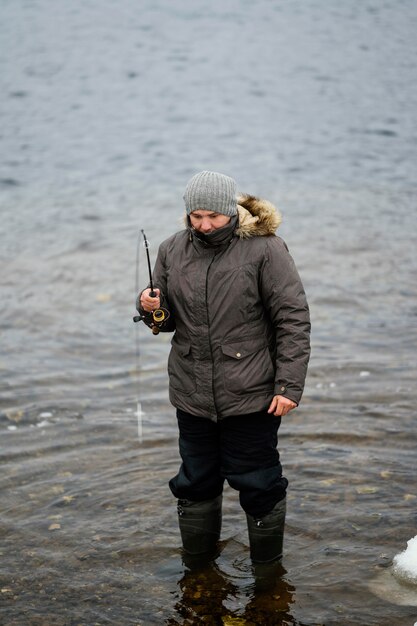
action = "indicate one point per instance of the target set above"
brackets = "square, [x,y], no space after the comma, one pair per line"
[106,111]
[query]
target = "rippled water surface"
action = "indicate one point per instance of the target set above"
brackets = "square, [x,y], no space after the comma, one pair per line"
[106,110]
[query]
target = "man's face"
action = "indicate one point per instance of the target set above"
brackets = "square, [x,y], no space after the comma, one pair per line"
[207,221]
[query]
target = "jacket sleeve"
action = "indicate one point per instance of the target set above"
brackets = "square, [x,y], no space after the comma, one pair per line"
[285,301]
[159,276]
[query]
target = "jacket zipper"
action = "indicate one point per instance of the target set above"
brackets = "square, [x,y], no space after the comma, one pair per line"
[209,337]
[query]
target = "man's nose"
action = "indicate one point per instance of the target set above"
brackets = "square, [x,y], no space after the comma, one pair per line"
[205,225]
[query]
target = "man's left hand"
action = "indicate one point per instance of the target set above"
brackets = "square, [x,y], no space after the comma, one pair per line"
[280,406]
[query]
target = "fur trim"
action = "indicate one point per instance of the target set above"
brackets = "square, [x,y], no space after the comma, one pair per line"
[257,217]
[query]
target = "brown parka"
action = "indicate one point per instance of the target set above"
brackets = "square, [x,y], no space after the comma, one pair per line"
[240,317]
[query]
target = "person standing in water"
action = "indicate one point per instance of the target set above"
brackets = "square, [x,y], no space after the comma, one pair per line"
[238,361]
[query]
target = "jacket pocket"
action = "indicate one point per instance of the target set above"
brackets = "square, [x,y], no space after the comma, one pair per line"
[248,366]
[181,368]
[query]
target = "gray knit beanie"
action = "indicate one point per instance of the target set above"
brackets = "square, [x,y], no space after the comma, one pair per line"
[210,191]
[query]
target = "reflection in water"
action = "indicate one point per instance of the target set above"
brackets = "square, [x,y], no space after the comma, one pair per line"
[206,592]
[202,594]
[271,598]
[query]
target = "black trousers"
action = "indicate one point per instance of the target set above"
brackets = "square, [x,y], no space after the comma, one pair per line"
[241,450]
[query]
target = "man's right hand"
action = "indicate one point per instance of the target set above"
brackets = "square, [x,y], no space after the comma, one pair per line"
[149,304]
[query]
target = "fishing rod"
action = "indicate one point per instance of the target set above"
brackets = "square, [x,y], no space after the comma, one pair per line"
[159,316]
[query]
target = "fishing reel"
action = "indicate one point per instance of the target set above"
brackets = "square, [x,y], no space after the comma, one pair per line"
[159,317]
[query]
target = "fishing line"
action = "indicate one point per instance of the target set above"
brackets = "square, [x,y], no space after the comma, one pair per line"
[138,354]
[158,317]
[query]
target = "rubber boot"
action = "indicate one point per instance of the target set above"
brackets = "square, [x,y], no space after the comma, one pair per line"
[266,534]
[200,525]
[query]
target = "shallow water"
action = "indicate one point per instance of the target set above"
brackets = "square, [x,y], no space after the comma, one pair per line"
[106,111]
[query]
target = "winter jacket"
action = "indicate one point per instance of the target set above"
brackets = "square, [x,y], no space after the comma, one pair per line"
[240,317]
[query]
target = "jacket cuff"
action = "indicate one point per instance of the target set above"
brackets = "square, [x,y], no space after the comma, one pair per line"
[281,389]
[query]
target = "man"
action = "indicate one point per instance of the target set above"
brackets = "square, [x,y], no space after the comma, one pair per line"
[231,292]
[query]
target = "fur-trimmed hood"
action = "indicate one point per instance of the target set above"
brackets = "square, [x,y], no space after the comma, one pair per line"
[257,217]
